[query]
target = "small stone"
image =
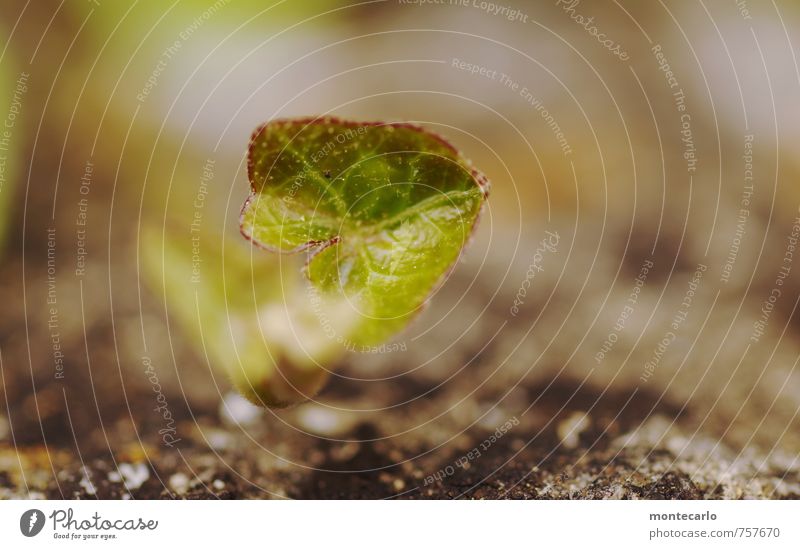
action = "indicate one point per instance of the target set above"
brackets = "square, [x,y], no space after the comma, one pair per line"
[492,419]
[179,483]
[237,410]
[132,475]
[570,429]
[319,420]
[618,492]
[399,484]
[86,482]
[218,440]
[345,452]
[218,484]
[315,457]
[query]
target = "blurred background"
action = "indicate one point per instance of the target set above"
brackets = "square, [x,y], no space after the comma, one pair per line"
[649,350]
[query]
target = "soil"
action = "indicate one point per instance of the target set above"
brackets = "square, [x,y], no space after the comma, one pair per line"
[98,433]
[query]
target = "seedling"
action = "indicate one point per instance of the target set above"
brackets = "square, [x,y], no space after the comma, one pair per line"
[382,212]
[379,212]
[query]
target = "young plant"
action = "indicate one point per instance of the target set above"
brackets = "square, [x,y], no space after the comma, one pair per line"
[382,212]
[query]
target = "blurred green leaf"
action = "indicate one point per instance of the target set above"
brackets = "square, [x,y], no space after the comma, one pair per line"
[11,140]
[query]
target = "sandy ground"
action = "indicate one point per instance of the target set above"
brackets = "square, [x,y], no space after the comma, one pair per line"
[492,430]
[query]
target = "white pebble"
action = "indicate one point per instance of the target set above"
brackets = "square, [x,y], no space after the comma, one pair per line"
[218,440]
[132,475]
[570,429]
[319,420]
[86,482]
[179,483]
[237,410]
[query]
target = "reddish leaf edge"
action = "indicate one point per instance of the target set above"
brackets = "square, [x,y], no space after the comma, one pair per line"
[319,245]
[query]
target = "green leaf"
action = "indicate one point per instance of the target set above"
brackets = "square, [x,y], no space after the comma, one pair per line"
[383,211]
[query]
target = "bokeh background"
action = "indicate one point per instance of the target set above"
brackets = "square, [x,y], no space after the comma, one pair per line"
[652,352]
